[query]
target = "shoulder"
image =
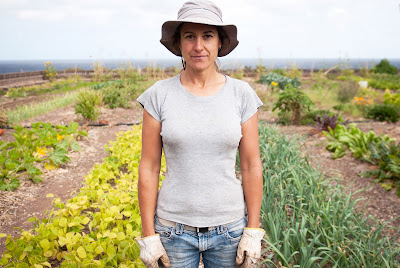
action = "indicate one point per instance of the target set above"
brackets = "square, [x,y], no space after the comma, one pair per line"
[165,84]
[239,86]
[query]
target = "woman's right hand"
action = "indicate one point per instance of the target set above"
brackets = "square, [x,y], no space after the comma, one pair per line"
[152,251]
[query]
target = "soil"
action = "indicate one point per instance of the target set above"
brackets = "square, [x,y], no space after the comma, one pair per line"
[30,199]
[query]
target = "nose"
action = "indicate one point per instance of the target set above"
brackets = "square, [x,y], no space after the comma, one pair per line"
[198,46]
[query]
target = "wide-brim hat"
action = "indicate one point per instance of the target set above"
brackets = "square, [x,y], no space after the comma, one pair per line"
[203,12]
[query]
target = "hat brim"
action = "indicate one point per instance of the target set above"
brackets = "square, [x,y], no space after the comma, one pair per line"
[169,27]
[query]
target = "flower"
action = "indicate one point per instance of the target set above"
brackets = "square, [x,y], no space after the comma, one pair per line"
[274,83]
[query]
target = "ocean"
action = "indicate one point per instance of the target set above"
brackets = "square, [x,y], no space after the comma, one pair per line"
[13,66]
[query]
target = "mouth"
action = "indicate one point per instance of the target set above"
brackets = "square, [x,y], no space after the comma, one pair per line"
[199,57]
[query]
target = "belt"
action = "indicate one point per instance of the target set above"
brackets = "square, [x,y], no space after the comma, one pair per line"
[187,227]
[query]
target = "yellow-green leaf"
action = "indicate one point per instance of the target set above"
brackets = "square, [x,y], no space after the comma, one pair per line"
[99,250]
[45,244]
[120,236]
[108,219]
[46,264]
[48,253]
[63,222]
[81,252]
[2,235]
[50,195]
[85,220]
[49,166]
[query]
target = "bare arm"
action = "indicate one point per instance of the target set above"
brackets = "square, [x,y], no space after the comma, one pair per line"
[251,168]
[149,171]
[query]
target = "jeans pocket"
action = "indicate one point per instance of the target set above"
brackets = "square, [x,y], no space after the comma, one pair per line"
[234,231]
[165,232]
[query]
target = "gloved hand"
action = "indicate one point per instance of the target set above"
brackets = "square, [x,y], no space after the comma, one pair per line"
[151,251]
[249,250]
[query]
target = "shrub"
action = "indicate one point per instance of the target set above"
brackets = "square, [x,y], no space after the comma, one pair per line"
[383,112]
[347,90]
[279,80]
[384,67]
[385,81]
[294,101]
[392,99]
[88,104]
[115,96]
[50,71]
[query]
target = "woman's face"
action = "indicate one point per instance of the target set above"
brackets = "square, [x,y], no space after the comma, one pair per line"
[199,45]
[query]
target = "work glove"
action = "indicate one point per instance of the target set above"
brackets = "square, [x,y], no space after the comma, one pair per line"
[152,251]
[249,250]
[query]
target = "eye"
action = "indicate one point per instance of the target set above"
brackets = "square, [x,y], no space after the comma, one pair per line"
[189,36]
[208,36]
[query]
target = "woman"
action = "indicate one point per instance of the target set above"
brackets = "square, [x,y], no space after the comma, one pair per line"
[200,118]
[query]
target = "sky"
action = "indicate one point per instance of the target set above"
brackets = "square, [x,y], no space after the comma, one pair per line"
[131,29]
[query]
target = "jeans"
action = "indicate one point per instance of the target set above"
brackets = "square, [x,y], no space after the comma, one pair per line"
[218,246]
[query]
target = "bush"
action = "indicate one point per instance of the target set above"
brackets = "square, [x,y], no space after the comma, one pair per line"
[347,91]
[383,112]
[88,104]
[385,81]
[392,99]
[279,80]
[384,67]
[116,97]
[294,101]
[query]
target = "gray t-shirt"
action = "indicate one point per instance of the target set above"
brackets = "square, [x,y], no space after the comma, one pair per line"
[200,136]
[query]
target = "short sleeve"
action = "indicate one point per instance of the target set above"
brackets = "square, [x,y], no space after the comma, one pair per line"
[250,103]
[151,101]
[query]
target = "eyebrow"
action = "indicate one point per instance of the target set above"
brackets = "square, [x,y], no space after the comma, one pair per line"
[205,32]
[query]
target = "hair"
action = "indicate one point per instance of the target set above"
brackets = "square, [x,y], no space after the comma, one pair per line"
[223,37]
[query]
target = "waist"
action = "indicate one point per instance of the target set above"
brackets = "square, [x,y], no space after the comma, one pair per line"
[186,227]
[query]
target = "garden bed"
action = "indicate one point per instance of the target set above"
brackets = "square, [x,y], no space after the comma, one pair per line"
[30,199]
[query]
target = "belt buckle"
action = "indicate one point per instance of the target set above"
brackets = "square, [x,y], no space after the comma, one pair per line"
[202,229]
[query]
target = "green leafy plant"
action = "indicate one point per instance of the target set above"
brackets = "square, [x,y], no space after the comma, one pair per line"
[95,228]
[115,96]
[385,81]
[89,104]
[43,145]
[387,156]
[384,112]
[392,99]
[294,101]
[385,67]
[353,139]
[278,80]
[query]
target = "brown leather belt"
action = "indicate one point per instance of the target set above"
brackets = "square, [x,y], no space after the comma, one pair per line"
[186,227]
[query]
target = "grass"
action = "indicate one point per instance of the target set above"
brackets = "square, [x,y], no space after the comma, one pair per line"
[29,111]
[310,222]
[52,87]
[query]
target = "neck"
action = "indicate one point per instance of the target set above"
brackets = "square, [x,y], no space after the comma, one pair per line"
[199,79]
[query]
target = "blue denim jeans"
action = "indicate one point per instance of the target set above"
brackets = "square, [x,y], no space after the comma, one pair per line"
[218,246]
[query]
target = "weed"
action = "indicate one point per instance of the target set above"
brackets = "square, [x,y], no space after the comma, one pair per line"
[88,104]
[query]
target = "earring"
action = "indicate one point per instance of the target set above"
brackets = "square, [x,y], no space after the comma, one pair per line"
[183,63]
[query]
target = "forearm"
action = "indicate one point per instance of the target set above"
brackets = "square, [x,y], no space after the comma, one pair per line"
[147,195]
[253,191]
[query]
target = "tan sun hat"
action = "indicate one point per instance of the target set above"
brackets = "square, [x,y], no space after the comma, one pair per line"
[204,12]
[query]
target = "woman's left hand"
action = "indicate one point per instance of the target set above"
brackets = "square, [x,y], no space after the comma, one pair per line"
[249,250]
